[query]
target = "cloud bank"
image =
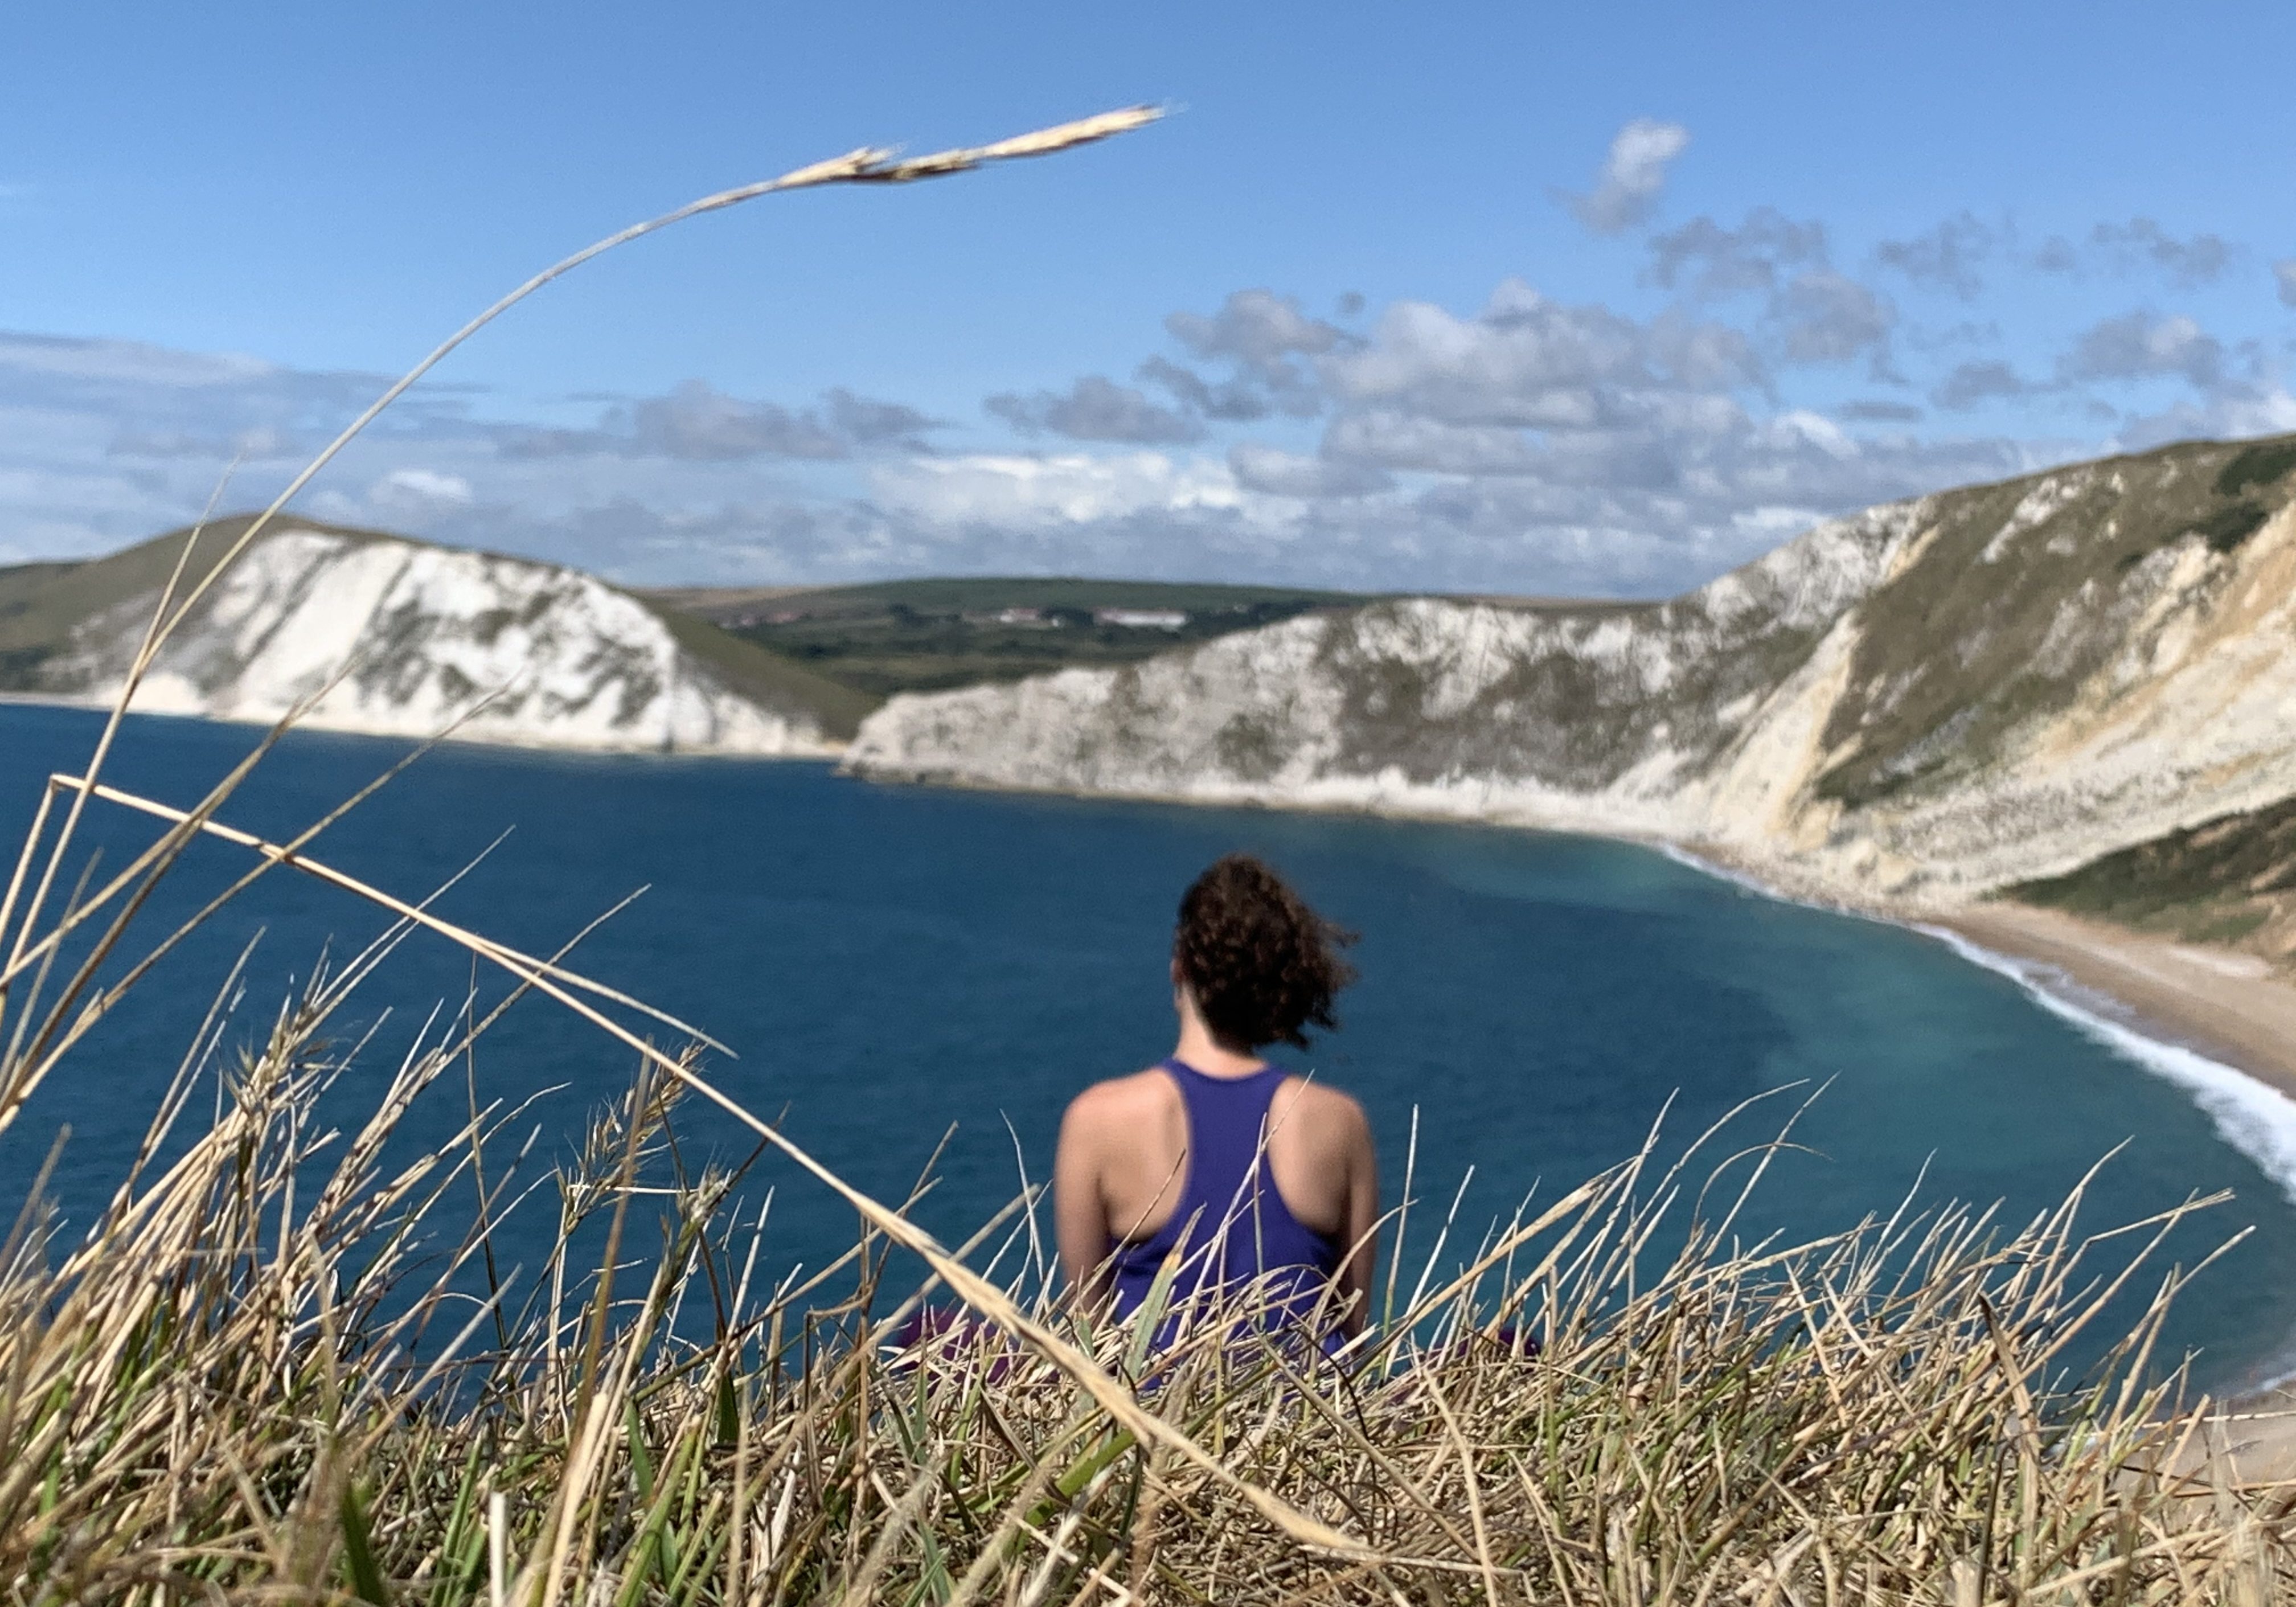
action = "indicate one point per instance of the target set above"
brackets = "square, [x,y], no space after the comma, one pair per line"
[1742,377]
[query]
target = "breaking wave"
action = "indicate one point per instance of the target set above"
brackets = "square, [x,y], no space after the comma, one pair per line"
[2255,1118]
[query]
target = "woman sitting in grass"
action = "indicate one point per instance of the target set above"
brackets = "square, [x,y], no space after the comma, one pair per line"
[1256,1183]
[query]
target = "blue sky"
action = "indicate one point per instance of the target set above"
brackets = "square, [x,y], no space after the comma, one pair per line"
[1528,298]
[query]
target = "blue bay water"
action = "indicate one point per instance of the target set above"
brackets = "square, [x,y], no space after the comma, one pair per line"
[889,962]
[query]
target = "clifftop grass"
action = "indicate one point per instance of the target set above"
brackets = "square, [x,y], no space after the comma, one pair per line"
[931,635]
[279,1369]
[41,604]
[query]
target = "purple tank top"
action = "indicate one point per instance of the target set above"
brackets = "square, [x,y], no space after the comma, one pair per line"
[1227,1183]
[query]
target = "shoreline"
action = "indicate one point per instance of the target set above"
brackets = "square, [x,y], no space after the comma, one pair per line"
[2218,1023]
[824,752]
[2220,1003]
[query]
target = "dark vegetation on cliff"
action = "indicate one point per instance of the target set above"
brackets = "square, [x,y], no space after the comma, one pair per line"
[2231,879]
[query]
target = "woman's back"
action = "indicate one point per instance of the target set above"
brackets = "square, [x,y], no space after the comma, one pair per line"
[1229,1223]
[1215,1138]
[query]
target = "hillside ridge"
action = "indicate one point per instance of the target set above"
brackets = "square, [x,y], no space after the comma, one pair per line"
[399,636]
[1930,701]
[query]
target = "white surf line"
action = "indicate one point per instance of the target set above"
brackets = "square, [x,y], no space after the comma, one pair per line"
[2254,1117]
[1723,873]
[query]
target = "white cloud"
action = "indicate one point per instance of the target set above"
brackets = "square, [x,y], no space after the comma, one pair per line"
[127,362]
[1258,467]
[1979,380]
[1811,313]
[698,421]
[2142,242]
[1256,327]
[2231,411]
[1712,261]
[1266,339]
[1067,487]
[1524,361]
[1627,189]
[259,443]
[1529,444]
[1392,439]
[1801,427]
[1945,256]
[1823,316]
[1771,526]
[419,492]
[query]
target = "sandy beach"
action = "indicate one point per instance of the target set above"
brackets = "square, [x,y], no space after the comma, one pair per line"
[2226,1005]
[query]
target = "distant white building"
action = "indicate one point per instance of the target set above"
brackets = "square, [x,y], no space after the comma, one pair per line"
[1141,618]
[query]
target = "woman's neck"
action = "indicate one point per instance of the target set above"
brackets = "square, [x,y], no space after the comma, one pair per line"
[1199,1049]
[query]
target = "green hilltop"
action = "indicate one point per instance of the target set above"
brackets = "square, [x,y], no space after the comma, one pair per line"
[836,651]
[933,635]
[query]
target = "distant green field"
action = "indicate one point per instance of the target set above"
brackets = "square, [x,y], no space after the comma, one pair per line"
[929,634]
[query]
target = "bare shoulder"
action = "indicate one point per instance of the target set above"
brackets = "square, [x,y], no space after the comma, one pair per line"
[1327,1112]
[1121,1101]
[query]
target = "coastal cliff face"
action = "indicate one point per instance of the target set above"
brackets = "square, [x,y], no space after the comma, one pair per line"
[1928,702]
[399,637]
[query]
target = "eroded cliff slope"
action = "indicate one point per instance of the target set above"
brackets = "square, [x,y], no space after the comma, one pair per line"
[1927,701]
[397,637]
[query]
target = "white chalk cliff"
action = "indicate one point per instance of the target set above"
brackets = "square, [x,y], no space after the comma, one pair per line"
[400,637]
[1923,702]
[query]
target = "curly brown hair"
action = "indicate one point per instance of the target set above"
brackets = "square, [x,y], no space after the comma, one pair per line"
[1261,964]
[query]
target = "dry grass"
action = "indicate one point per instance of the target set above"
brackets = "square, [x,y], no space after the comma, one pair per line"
[274,1369]
[286,1364]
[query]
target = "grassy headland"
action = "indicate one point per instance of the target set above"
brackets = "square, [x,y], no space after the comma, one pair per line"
[931,635]
[42,604]
[43,608]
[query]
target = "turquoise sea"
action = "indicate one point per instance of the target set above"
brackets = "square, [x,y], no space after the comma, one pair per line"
[888,963]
